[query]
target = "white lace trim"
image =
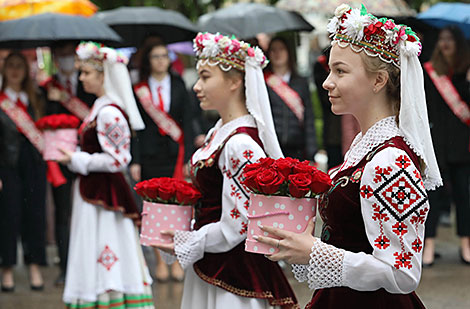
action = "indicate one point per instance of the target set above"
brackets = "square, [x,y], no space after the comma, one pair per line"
[221,132]
[189,247]
[300,272]
[325,269]
[380,132]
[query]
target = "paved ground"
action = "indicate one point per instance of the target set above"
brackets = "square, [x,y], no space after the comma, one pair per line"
[446,285]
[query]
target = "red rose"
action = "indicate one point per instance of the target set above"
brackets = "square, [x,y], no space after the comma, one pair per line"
[321,182]
[285,165]
[269,181]
[266,162]
[187,194]
[166,188]
[250,179]
[58,121]
[151,188]
[304,167]
[139,188]
[299,184]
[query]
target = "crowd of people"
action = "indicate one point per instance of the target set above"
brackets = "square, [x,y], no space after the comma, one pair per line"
[386,157]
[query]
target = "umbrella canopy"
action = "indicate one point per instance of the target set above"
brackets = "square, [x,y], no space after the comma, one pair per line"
[446,14]
[46,29]
[13,9]
[134,24]
[246,20]
[327,7]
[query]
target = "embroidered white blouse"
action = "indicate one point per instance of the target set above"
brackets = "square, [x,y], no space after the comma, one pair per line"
[227,233]
[394,222]
[114,137]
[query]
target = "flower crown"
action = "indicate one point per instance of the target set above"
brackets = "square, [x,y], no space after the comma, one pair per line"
[97,51]
[376,36]
[228,51]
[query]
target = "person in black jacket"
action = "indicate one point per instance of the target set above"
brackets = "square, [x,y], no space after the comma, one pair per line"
[66,79]
[154,152]
[22,177]
[451,138]
[295,131]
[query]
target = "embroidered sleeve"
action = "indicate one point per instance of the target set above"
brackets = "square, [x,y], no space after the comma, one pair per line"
[394,207]
[227,233]
[114,137]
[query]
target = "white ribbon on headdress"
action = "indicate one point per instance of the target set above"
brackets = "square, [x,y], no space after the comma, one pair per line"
[413,118]
[118,87]
[258,105]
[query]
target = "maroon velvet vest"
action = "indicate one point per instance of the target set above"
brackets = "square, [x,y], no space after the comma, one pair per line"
[108,190]
[239,272]
[343,227]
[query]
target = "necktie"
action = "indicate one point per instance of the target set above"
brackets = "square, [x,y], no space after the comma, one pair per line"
[161,106]
[21,105]
[69,86]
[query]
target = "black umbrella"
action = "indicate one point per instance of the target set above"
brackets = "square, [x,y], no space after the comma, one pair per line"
[246,20]
[135,23]
[48,28]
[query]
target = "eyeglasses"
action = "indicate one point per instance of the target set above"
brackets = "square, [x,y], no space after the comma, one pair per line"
[162,56]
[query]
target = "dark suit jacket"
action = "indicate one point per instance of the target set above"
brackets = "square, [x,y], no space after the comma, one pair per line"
[150,143]
[451,137]
[55,107]
[291,135]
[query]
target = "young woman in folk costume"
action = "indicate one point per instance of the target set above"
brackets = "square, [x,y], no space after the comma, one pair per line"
[166,143]
[22,174]
[292,108]
[448,96]
[370,251]
[105,265]
[219,273]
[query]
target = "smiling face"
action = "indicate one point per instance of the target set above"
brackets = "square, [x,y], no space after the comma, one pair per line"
[212,87]
[350,86]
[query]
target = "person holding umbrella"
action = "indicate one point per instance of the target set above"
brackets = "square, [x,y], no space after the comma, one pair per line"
[165,108]
[292,108]
[448,94]
[219,272]
[22,174]
[370,251]
[65,95]
[105,263]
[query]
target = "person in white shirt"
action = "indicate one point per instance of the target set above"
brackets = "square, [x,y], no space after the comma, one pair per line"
[370,251]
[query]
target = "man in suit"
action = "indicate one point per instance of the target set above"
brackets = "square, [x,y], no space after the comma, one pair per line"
[65,95]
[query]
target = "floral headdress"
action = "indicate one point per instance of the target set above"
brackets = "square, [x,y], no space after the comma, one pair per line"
[97,51]
[376,36]
[228,51]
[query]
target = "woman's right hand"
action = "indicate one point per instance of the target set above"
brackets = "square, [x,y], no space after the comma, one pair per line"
[135,170]
[168,248]
[53,94]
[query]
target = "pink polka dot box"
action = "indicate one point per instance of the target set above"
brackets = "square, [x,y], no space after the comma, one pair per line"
[286,213]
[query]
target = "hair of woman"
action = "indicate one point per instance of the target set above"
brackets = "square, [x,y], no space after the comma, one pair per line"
[291,62]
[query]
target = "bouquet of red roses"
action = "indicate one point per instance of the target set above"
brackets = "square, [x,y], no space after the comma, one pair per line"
[167,205]
[167,190]
[285,177]
[58,121]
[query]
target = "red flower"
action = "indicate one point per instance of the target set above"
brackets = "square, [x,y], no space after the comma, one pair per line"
[58,121]
[304,167]
[299,184]
[269,181]
[285,166]
[321,182]
[186,193]
[168,190]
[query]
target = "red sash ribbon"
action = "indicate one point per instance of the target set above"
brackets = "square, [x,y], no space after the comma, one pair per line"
[449,94]
[290,97]
[69,101]
[164,122]
[25,124]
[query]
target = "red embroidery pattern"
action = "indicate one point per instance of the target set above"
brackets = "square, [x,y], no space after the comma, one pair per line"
[357,175]
[107,258]
[235,162]
[235,214]
[235,192]
[248,154]
[246,204]
[399,194]
[244,228]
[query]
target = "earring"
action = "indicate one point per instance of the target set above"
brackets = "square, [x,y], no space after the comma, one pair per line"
[375,90]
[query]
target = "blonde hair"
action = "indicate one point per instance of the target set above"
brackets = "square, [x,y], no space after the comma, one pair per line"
[375,65]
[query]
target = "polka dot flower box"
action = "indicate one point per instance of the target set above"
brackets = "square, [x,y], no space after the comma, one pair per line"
[168,205]
[60,132]
[283,196]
